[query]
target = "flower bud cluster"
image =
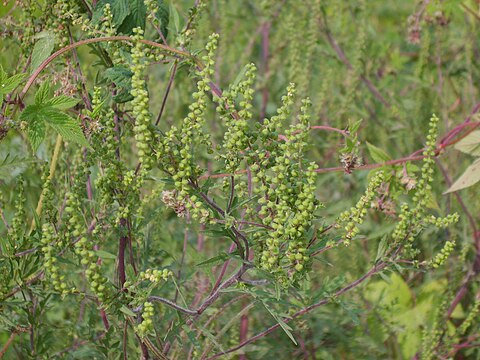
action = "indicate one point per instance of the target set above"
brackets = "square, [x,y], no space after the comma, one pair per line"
[49,243]
[192,134]
[286,186]
[152,10]
[472,317]
[355,216]
[97,282]
[271,126]
[146,325]
[237,138]
[106,144]
[84,244]
[413,220]
[441,257]
[155,276]
[17,227]
[443,223]
[185,37]
[142,130]
[48,194]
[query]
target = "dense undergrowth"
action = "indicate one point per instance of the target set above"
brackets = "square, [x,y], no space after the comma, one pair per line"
[239,179]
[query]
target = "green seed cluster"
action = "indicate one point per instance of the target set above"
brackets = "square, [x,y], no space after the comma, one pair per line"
[441,257]
[152,10]
[237,138]
[432,335]
[472,317]
[192,134]
[185,37]
[48,194]
[443,223]
[84,244]
[410,219]
[49,248]
[97,282]
[142,131]
[354,217]
[155,276]
[108,26]
[287,197]
[413,220]
[17,227]
[271,126]
[146,326]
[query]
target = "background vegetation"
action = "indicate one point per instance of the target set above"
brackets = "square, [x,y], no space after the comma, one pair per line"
[156,203]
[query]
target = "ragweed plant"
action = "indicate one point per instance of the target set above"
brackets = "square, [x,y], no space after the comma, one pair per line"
[199,168]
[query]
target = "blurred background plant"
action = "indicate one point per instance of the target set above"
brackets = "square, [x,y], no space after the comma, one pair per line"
[169,193]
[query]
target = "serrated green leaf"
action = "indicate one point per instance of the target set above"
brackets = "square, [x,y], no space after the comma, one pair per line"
[470,177]
[62,102]
[353,128]
[119,9]
[9,84]
[377,154]
[470,144]
[122,77]
[42,49]
[136,17]
[163,15]
[42,94]
[12,165]
[66,126]
[36,133]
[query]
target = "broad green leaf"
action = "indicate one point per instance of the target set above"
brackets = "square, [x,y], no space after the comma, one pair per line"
[470,144]
[42,93]
[470,177]
[66,126]
[136,17]
[11,166]
[36,133]
[62,102]
[8,85]
[122,77]
[163,15]
[119,9]
[42,49]
[377,154]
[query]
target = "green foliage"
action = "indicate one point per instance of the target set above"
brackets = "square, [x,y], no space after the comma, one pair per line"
[238,179]
[48,111]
